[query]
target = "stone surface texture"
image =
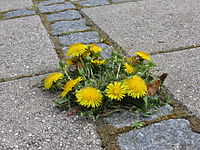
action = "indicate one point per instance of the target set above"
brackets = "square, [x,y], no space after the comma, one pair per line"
[20,12]
[69,15]
[126,118]
[6,5]
[50,2]
[29,120]
[174,134]
[150,25]
[55,7]
[93,2]
[25,48]
[69,26]
[184,76]
[80,37]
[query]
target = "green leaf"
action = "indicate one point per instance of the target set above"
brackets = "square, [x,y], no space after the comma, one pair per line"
[62,100]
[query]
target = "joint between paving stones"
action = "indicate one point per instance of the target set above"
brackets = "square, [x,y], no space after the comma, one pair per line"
[176,49]
[27,76]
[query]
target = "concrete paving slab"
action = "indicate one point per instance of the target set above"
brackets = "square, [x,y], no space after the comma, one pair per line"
[173,134]
[150,25]
[184,76]
[6,5]
[25,48]
[29,120]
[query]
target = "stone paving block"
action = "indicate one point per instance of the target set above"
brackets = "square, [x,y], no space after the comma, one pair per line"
[50,2]
[6,5]
[150,25]
[80,37]
[126,118]
[25,48]
[174,134]
[55,7]
[69,15]
[20,12]
[93,2]
[68,26]
[30,120]
[184,76]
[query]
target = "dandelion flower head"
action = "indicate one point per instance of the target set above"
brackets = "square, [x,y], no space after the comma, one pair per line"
[76,49]
[136,87]
[69,85]
[115,90]
[95,48]
[128,68]
[49,80]
[89,97]
[143,55]
[99,62]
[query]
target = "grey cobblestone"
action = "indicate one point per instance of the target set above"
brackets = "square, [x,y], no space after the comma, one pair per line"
[107,50]
[55,7]
[93,2]
[127,118]
[69,15]
[173,134]
[50,2]
[80,37]
[20,12]
[68,26]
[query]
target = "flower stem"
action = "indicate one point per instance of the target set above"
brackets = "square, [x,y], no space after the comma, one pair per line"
[119,67]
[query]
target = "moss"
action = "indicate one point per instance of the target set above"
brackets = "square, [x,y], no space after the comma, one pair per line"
[108,135]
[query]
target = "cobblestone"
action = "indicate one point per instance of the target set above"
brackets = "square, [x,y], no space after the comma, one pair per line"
[20,12]
[56,7]
[69,15]
[93,2]
[68,26]
[127,118]
[50,2]
[174,134]
[80,37]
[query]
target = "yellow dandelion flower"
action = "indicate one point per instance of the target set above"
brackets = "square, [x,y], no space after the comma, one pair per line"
[89,97]
[69,85]
[99,62]
[115,90]
[76,49]
[143,55]
[136,87]
[85,54]
[48,81]
[95,48]
[128,68]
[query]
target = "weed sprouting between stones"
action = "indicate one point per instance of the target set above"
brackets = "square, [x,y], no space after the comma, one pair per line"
[93,86]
